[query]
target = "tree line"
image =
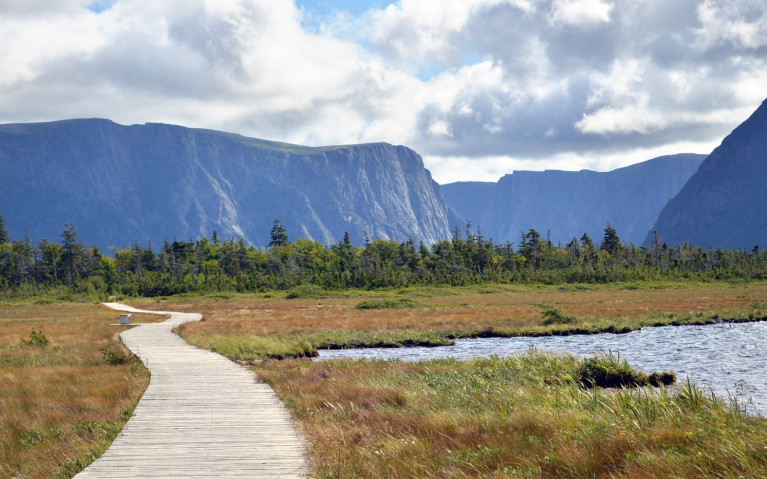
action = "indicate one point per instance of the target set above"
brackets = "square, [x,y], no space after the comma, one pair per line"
[212,264]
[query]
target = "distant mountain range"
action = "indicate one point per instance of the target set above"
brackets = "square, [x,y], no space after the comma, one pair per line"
[124,184]
[723,204]
[567,204]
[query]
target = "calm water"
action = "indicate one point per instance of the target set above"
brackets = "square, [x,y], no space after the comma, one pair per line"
[726,357]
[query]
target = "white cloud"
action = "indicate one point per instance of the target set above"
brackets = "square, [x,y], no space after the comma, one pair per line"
[637,118]
[460,168]
[621,84]
[415,30]
[580,13]
[743,24]
[476,86]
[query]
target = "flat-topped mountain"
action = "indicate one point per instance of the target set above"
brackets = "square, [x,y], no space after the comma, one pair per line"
[123,184]
[567,204]
[723,204]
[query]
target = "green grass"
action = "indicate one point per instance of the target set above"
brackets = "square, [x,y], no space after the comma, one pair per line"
[551,315]
[253,347]
[531,415]
[250,347]
[524,416]
[609,370]
[67,387]
[602,324]
[401,303]
[298,345]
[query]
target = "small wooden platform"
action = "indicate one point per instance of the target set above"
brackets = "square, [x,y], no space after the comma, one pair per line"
[201,416]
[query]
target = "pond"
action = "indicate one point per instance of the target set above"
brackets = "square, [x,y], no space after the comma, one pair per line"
[724,358]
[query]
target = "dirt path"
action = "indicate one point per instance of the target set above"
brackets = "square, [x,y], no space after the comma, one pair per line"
[201,416]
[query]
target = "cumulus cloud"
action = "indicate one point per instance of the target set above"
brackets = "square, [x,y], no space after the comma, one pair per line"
[742,25]
[476,86]
[580,13]
[592,77]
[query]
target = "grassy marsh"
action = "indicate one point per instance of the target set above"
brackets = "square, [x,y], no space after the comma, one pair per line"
[254,327]
[524,416]
[62,403]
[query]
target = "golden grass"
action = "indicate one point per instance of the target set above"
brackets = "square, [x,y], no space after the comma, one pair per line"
[249,326]
[61,404]
[493,417]
[523,416]
[492,306]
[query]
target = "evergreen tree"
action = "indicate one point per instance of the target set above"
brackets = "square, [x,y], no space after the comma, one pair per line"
[4,238]
[278,235]
[531,246]
[423,250]
[345,252]
[610,241]
[71,252]
[573,250]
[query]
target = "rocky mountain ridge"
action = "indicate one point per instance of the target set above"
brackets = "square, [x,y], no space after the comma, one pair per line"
[566,204]
[722,205]
[121,185]
[124,184]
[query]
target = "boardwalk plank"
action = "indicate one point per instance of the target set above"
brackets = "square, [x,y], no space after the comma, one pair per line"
[202,416]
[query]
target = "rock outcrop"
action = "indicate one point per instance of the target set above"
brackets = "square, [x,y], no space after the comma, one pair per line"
[723,204]
[566,204]
[125,184]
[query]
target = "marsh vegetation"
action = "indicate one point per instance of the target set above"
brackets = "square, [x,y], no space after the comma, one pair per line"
[536,414]
[68,387]
[523,416]
[249,326]
[530,415]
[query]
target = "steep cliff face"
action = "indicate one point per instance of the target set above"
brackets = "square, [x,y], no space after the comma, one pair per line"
[723,204]
[121,184]
[467,201]
[567,204]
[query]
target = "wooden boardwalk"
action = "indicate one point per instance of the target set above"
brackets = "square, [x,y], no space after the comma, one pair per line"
[201,416]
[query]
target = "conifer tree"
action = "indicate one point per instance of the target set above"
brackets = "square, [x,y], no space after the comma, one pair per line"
[71,252]
[4,238]
[610,241]
[278,234]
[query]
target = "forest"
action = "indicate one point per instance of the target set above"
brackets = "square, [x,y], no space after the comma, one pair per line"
[68,268]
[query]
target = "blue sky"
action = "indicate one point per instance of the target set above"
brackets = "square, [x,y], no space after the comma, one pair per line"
[328,7]
[100,6]
[479,88]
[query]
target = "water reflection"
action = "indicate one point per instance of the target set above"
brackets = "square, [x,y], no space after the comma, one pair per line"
[729,358]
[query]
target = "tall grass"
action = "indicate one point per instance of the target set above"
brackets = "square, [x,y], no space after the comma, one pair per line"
[470,312]
[246,327]
[61,401]
[299,345]
[524,416]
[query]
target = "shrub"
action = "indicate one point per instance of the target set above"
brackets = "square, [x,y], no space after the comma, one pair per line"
[36,338]
[113,356]
[665,378]
[610,371]
[552,315]
[388,304]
